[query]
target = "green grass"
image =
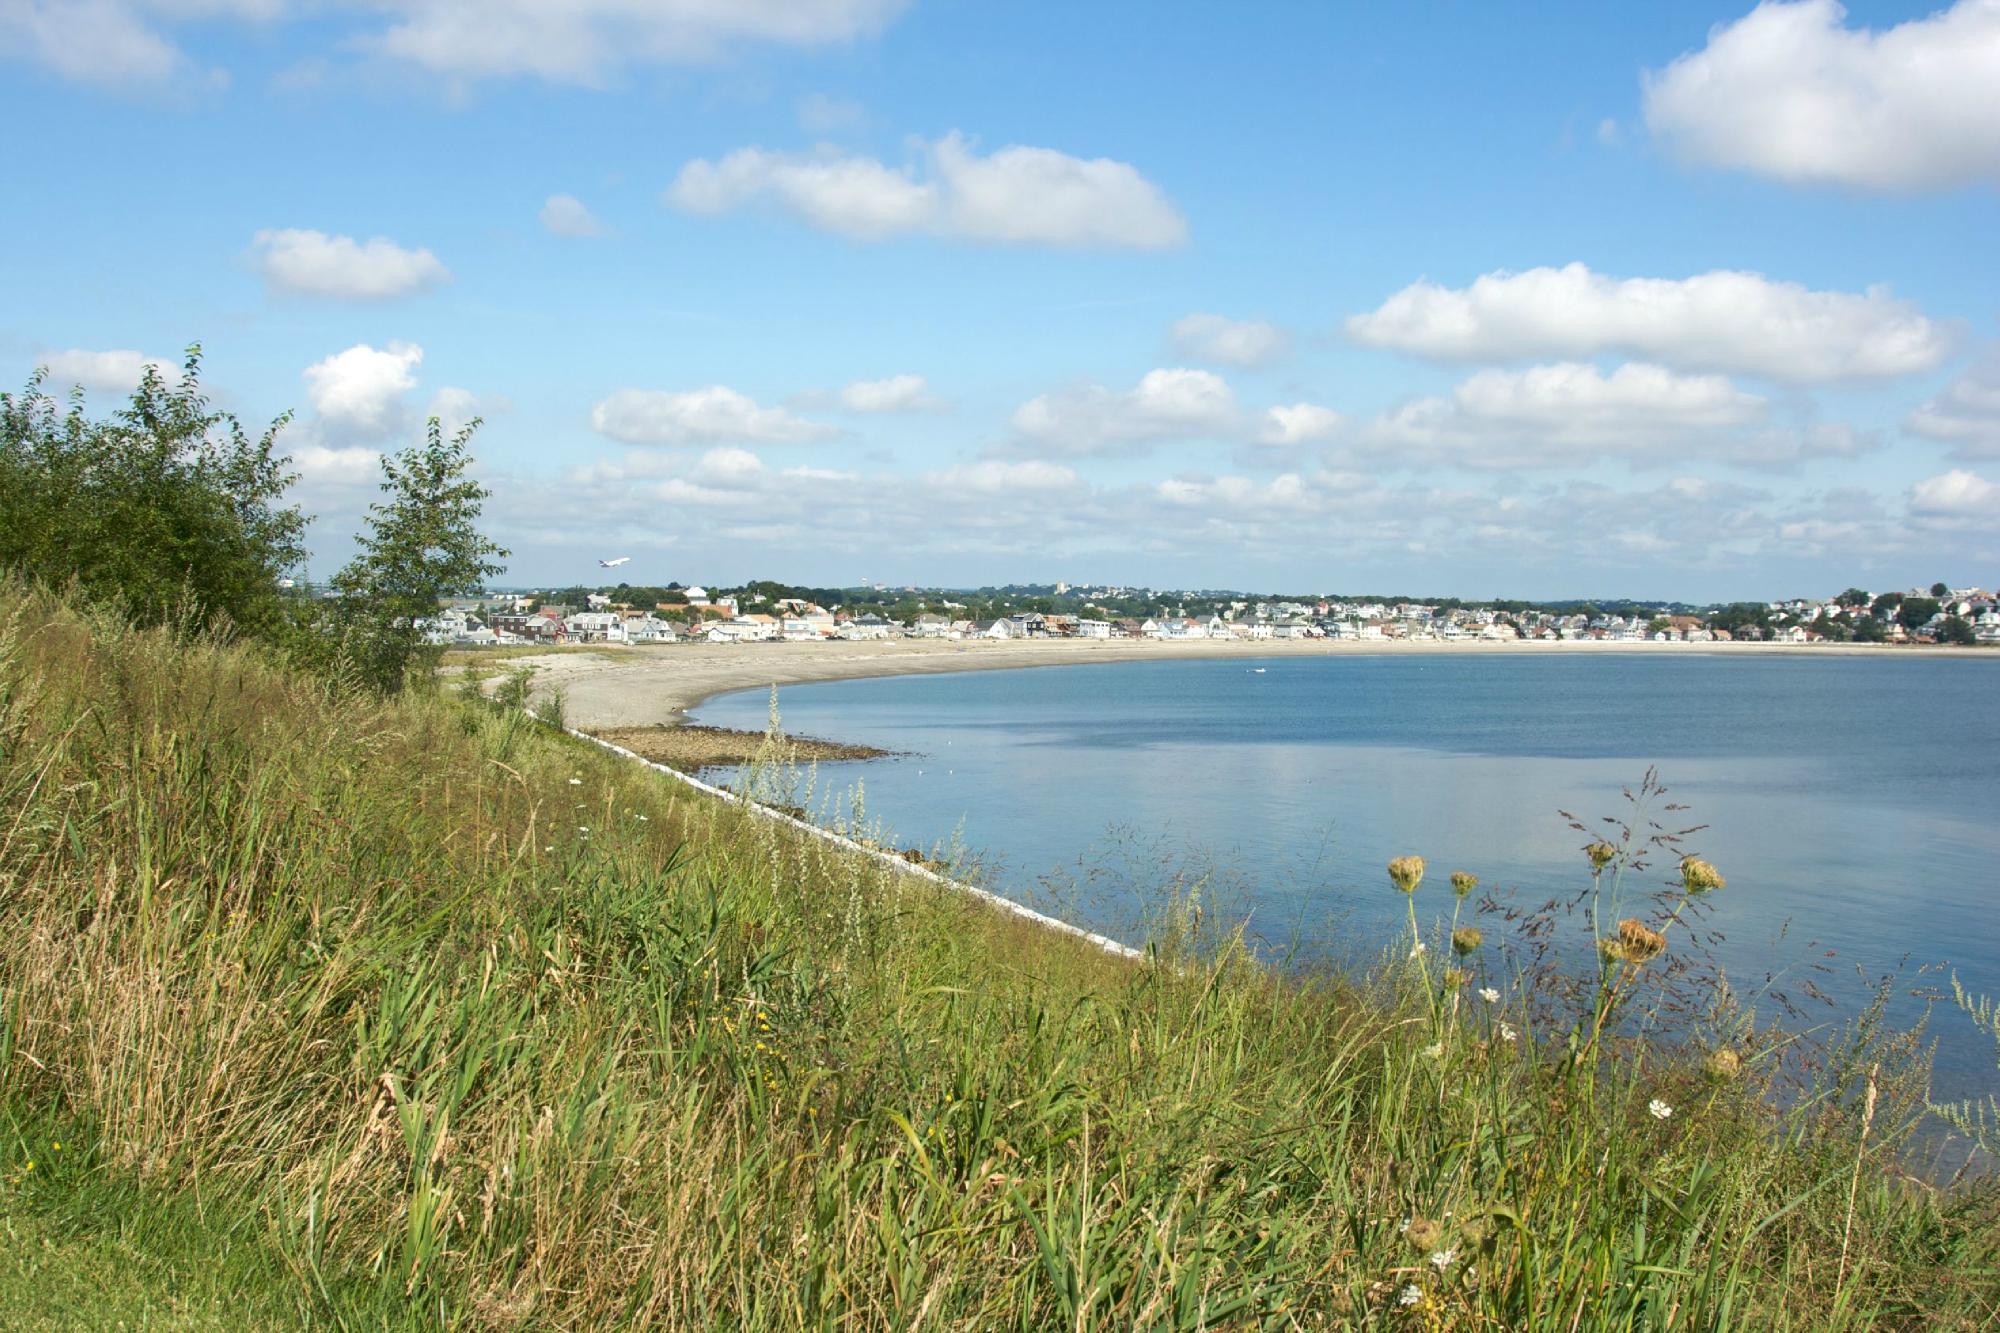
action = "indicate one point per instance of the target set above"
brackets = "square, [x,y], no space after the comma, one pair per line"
[417,1014]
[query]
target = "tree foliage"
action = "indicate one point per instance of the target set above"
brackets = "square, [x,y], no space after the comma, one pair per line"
[167,510]
[421,545]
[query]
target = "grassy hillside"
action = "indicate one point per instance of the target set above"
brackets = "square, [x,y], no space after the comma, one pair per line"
[417,1014]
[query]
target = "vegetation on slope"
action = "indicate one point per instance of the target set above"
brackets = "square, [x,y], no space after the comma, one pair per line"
[437,1018]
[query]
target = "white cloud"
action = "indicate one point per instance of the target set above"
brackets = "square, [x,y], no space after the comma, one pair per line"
[321,465]
[1299,423]
[717,414]
[588,42]
[1789,92]
[1967,413]
[1166,403]
[116,371]
[312,263]
[565,215]
[1955,496]
[1741,323]
[1016,195]
[897,393]
[1243,343]
[996,477]
[119,43]
[1570,413]
[358,393]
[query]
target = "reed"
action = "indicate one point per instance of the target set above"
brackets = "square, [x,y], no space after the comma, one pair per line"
[418,1014]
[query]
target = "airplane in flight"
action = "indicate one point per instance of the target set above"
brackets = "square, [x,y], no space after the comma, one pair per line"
[613,564]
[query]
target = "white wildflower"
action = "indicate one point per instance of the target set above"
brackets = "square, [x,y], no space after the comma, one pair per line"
[1435,1050]
[1411,1295]
[1443,1259]
[1416,949]
[576,782]
[1659,1109]
[1507,1032]
[1488,994]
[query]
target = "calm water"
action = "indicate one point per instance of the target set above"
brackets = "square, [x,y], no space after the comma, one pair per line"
[1850,801]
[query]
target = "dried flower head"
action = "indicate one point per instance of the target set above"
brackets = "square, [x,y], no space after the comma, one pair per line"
[1722,1065]
[1454,977]
[1636,942]
[1699,876]
[1424,1234]
[1406,872]
[1465,939]
[1601,854]
[1463,882]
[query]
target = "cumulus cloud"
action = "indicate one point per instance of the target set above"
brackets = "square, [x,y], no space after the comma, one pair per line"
[1967,413]
[117,371]
[717,414]
[359,393]
[566,215]
[1014,196]
[1299,423]
[1740,323]
[312,263]
[102,42]
[1243,343]
[1956,496]
[897,393]
[992,476]
[1790,92]
[1165,404]
[1572,413]
[320,465]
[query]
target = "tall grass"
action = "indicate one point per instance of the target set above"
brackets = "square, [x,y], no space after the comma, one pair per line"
[479,1027]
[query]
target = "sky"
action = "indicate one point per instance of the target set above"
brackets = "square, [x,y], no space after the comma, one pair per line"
[1687,301]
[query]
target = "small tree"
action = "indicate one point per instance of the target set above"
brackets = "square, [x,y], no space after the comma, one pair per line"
[421,545]
[1916,612]
[1956,629]
[1940,589]
[166,510]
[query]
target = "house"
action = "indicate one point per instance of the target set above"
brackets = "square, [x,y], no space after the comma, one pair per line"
[1001,629]
[596,627]
[1093,629]
[929,627]
[1791,634]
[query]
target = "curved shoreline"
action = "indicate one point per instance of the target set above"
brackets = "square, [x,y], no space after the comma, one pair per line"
[611,686]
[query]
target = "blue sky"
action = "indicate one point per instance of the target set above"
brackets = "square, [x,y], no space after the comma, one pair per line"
[1687,301]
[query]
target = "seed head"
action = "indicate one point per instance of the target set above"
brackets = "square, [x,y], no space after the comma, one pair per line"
[1463,882]
[1699,876]
[1601,854]
[1455,977]
[1406,872]
[1424,1234]
[1722,1065]
[1635,943]
[1465,939]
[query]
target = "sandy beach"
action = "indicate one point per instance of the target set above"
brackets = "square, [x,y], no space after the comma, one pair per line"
[616,686]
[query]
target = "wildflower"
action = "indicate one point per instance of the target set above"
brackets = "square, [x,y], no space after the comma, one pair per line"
[1434,1051]
[1417,949]
[1411,1295]
[1507,1032]
[583,829]
[1465,939]
[1488,994]
[1698,876]
[55,1145]
[644,820]
[1659,1109]
[1463,883]
[1455,977]
[1722,1065]
[1635,943]
[1601,854]
[1406,872]
[1443,1259]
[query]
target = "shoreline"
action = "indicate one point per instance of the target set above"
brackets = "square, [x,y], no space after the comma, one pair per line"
[614,686]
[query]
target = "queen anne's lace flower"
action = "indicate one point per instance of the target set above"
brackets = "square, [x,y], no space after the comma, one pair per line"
[1488,994]
[1659,1109]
